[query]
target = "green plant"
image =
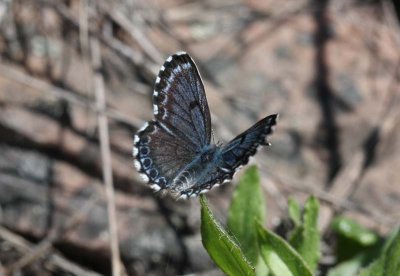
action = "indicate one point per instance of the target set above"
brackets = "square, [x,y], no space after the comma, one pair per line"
[246,248]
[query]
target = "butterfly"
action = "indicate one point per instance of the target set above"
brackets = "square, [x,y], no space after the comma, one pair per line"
[173,152]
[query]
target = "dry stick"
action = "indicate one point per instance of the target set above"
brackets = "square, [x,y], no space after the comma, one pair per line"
[23,246]
[83,30]
[344,183]
[128,53]
[106,156]
[120,48]
[334,200]
[46,245]
[137,34]
[342,186]
[117,46]
[42,86]
[83,27]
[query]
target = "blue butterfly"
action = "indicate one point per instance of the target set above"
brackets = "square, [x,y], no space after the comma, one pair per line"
[173,152]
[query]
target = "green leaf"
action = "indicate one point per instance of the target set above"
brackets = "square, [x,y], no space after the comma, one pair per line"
[353,239]
[246,207]
[261,267]
[294,211]
[356,246]
[349,267]
[279,256]
[305,238]
[374,269]
[354,264]
[388,263]
[354,231]
[226,254]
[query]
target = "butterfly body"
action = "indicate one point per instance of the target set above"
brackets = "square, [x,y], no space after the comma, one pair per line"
[202,170]
[174,151]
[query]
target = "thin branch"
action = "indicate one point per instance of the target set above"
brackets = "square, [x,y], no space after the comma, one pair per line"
[333,200]
[46,245]
[135,57]
[83,27]
[71,97]
[106,156]
[23,246]
[137,34]
[342,187]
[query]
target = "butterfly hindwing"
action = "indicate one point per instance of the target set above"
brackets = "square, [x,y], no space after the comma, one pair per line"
[159,156]
[180,103]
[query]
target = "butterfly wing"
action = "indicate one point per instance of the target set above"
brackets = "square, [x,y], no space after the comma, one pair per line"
[182,127]
[237,152]
[169,151]
[232,156]
[180,103]
[159,156]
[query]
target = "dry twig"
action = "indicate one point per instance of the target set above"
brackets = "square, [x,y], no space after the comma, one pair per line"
[137,34]
[46,245]
[71,97]
[106,156]
[23,246]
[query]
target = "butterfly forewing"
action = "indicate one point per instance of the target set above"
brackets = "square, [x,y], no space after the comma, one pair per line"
[180,103]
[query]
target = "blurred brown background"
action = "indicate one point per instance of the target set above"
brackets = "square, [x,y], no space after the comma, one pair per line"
[330,68]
